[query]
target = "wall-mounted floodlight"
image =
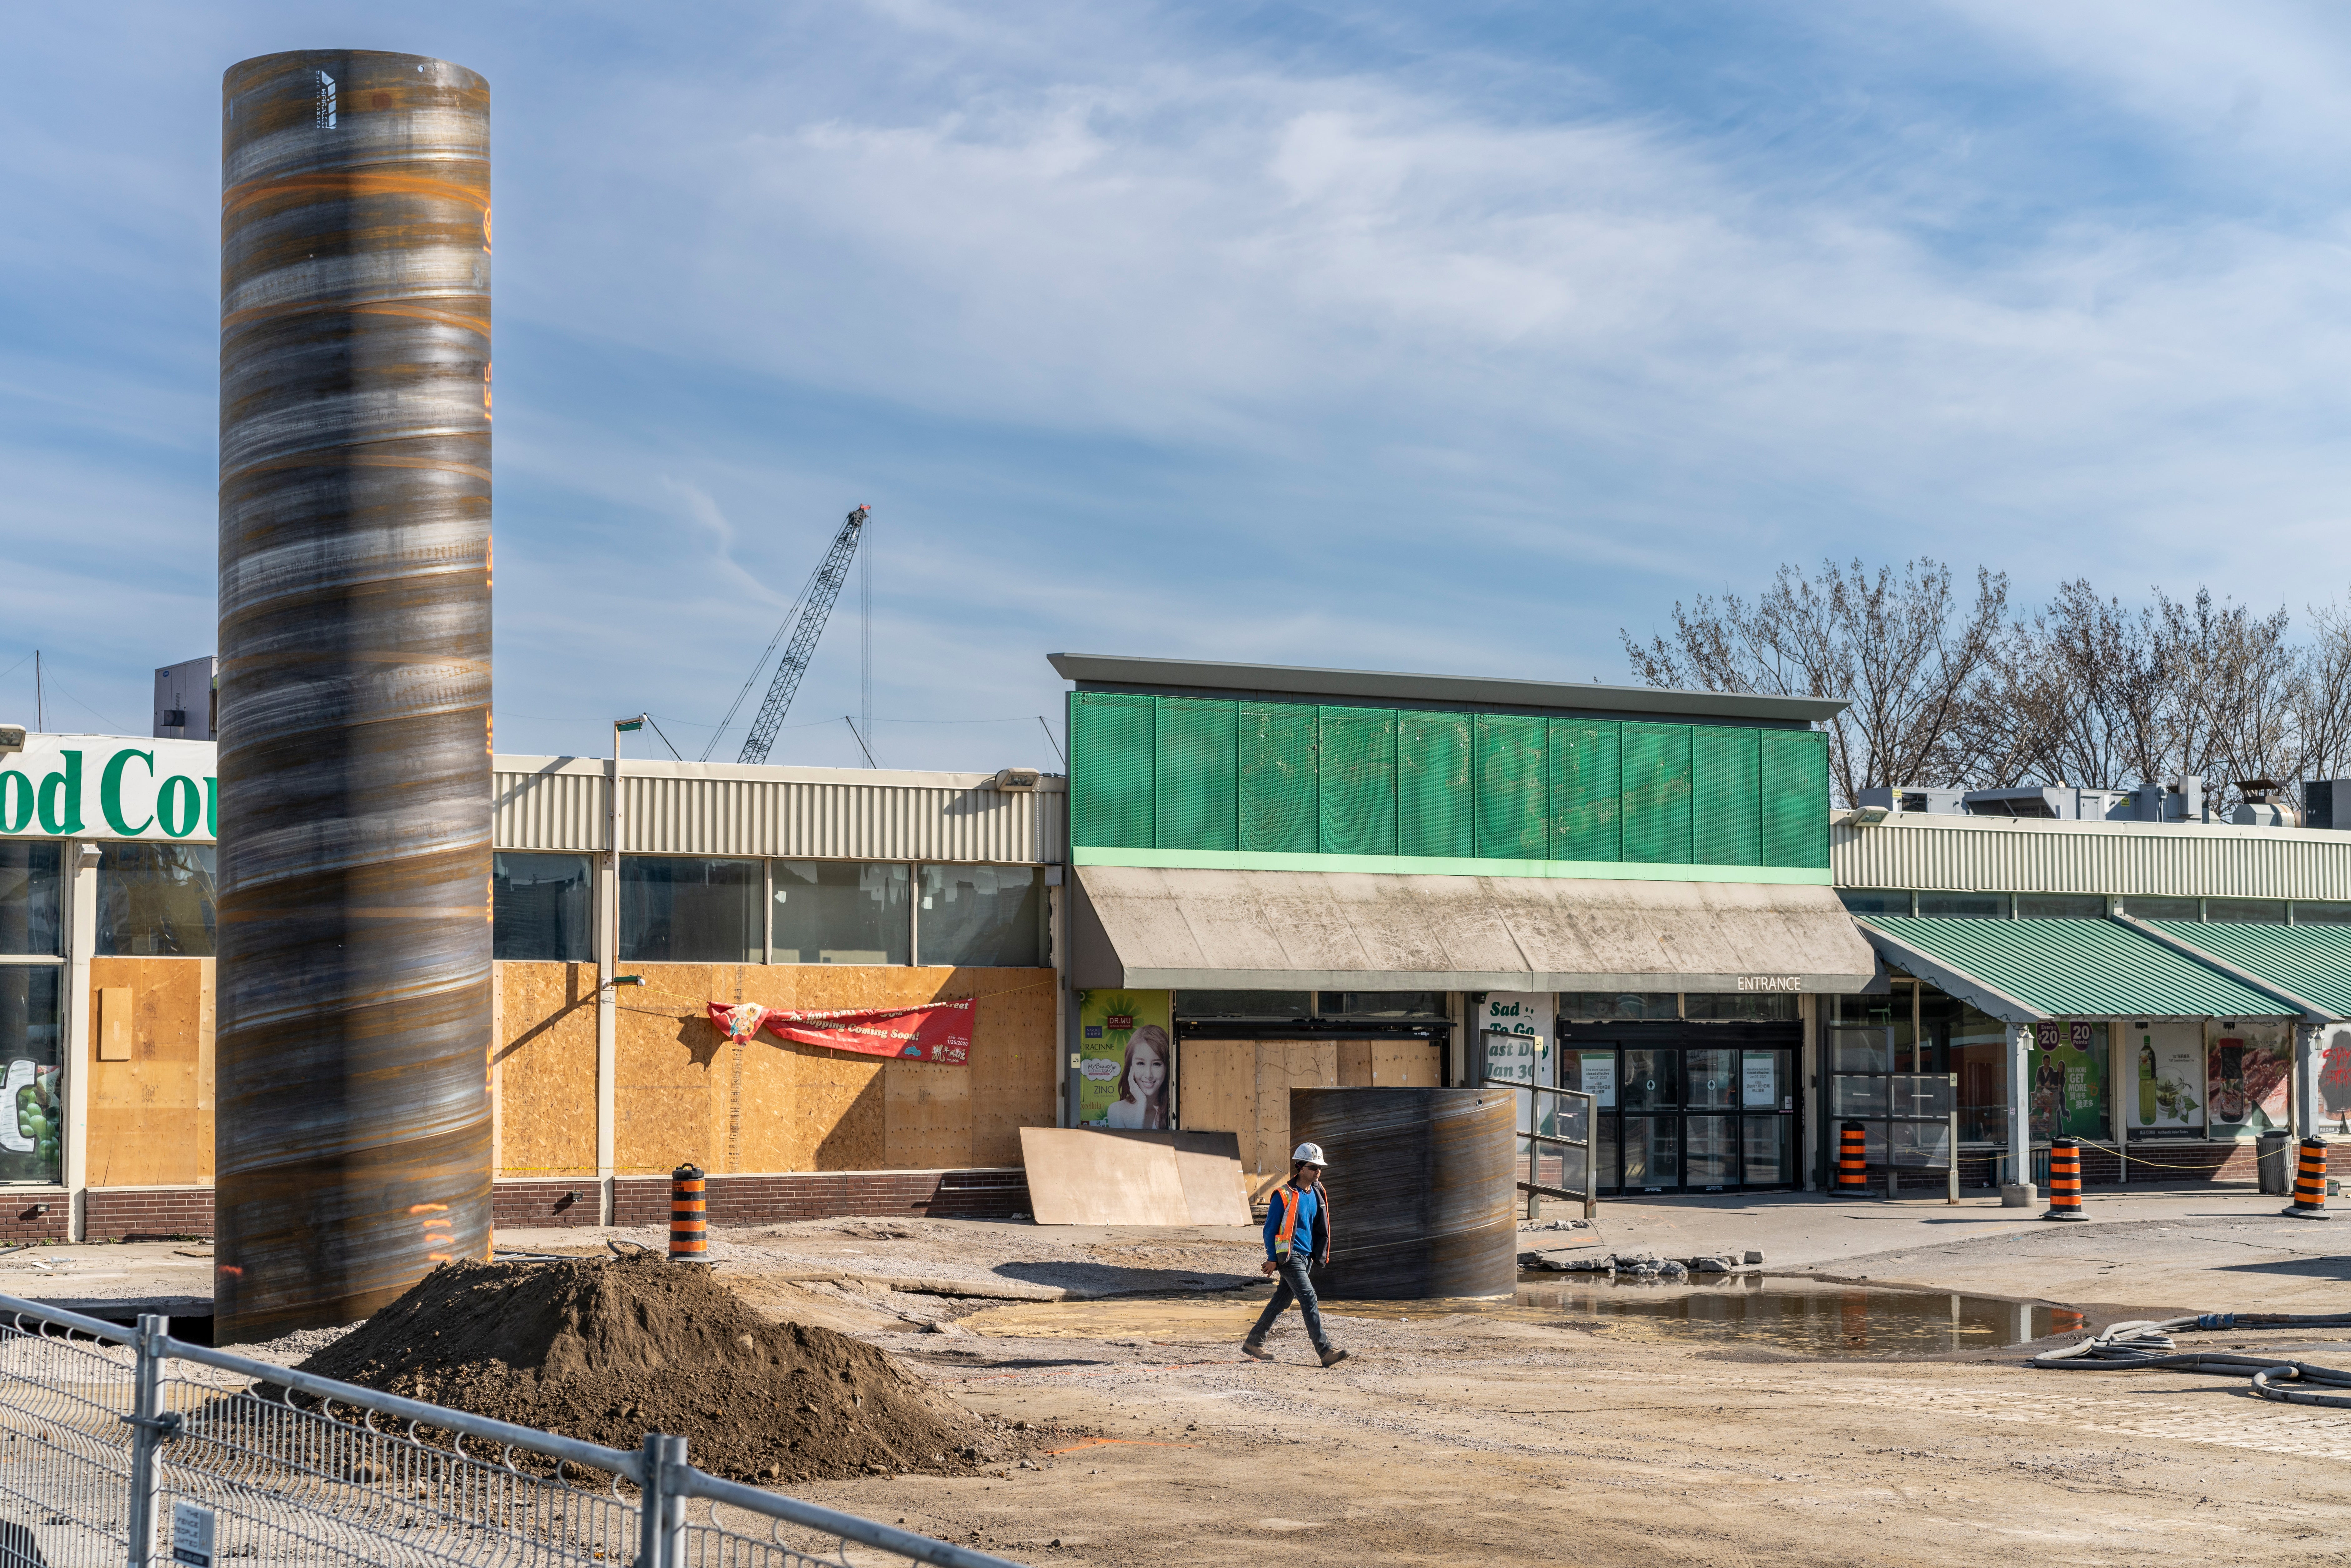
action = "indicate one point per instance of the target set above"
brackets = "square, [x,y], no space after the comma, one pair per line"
[1865,816]
[12,738]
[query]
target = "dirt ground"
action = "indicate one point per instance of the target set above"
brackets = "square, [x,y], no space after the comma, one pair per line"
[1538,1434]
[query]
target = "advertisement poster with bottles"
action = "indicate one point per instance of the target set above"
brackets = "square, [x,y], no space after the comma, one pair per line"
[1126,1059]
[2068,1077]
[2249,1068]
[2163,1080]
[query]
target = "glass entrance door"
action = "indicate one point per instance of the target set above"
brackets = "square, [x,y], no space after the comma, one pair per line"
[1689,1118]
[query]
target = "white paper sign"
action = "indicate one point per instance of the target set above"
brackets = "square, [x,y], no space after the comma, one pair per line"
[1597,1071]
[1759,1079]
[192,1534]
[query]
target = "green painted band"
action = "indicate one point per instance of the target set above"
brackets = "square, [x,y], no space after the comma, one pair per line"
[1447,865]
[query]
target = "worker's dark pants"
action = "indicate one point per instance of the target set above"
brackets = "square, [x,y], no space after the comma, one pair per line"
[1294,1281]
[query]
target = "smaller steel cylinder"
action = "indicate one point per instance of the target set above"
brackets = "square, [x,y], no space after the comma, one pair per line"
[1421,1182]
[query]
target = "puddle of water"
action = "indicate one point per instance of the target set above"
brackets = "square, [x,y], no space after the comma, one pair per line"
[1803,1317]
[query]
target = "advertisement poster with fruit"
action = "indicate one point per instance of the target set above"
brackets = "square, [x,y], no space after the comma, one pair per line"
[34,1132]
[2250,1068]
[2163,1082]
[2068,1074]
[1126,1041]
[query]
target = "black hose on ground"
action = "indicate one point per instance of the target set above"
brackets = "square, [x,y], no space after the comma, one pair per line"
[2147,1345]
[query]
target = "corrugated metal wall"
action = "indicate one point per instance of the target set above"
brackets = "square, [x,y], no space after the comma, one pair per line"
[689,809]
[1962,853]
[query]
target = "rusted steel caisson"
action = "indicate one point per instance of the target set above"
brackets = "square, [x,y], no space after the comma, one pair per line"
[354,1143]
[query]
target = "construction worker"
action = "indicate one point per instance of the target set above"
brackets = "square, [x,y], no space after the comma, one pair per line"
[1297,1238]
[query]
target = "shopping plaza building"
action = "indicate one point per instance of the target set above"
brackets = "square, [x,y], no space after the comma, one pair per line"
[1252,878]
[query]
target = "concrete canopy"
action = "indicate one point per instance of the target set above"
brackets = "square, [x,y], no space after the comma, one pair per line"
[1156,928]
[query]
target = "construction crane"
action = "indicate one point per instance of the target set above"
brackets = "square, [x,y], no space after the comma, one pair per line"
[805,621]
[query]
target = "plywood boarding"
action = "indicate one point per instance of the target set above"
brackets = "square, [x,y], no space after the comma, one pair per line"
[150,1116]
[1243,1087]
[1016,1077]
[1078,1176]
[1208,1165]
[926,1115]
[1388,1064]
[1215,1090]
[545,1060]
[669,1089]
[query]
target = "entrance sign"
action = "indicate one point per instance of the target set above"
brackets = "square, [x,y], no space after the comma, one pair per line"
[110,787]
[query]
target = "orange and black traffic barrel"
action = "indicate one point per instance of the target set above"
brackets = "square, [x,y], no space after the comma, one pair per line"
[2065,1179]
[1853,1164]
[2310,1183]
[689,1225]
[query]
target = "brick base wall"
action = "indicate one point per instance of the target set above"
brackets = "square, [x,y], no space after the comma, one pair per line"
[132,1214]
[148,1213]
[34,1214]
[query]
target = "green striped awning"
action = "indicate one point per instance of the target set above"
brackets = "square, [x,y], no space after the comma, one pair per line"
[2023,970]
[2313,962]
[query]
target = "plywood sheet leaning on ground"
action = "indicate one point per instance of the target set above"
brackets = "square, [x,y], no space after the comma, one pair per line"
[1215,1190]
[1080,1176]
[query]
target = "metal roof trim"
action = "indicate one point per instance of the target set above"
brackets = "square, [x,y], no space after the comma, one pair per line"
[2080,968]
[2316,1012]
[1296,680]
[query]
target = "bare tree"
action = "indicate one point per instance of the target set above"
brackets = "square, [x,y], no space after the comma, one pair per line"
[2078,697]
[2323,694]
[2230,689]
[1908,655]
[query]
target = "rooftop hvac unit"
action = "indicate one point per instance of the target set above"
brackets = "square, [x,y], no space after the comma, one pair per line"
[2326,804]
[1911,798]
[2056,802]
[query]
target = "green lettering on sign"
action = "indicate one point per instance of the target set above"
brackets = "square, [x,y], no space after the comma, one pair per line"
[177,791]
[15,802]
[110,791]
[60,798]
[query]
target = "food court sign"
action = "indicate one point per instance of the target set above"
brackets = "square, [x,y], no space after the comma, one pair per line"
[109,787]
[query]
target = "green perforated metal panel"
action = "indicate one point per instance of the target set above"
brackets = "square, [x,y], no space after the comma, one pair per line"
[1795,798]
[1110,770]
[1433,814]
[1726,797]
[1510,753]
[1197,783]
[1358,787]
[1657,793]
[1586,787]
[1278,779]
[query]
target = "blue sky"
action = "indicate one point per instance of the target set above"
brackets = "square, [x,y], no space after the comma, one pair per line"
[1346,336]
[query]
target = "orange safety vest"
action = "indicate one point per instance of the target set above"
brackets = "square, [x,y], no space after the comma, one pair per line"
[1290,1219]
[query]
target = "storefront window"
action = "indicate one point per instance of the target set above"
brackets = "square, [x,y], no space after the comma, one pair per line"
[1974,1046]
[2246,911]
[842,912]
[2322,914]
[541,907]
[1288,1005]
[2164,908]
[1380,1004]
[982,916]
[1964,905]
[1740,1007]
[155,901]
[1610,1007]
[2060,906]
[680,910]
[28,897]
[1883,1076]
[32,1122]
[1875,899]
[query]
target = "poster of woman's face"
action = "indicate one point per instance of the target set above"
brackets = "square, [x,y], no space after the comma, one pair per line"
[1143,1081]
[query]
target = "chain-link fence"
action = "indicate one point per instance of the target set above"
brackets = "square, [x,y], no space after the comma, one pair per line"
[126,1448]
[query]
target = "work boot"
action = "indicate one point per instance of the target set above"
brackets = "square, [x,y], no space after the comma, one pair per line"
[1333,1355]
[1255,1350]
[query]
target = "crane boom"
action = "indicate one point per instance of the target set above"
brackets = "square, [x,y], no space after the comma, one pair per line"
[806,625]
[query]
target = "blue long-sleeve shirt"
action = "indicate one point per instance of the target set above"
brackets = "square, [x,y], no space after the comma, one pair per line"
[1314,1230]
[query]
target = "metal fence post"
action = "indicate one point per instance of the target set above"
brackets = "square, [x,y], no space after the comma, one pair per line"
[660,1524]
[1952,1166]
[147,1427]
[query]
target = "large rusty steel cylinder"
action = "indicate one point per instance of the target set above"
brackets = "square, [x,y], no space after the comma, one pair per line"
[1421,1184]
[352,1123]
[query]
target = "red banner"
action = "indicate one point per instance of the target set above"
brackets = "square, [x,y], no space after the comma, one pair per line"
[934,1032]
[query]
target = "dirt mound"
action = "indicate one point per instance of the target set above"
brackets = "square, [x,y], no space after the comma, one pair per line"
[607,1350]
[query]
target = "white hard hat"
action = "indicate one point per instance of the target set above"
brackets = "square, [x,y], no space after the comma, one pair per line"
[1312,1154]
